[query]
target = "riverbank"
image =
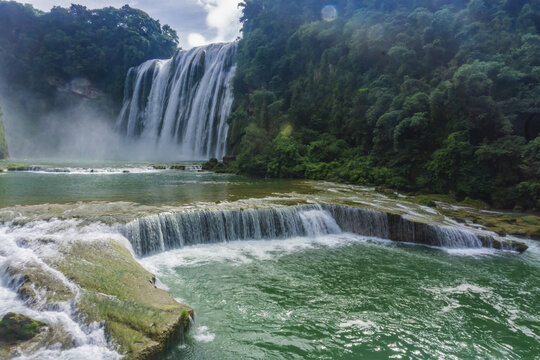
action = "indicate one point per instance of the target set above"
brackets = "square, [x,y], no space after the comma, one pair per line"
[67,256]
[465,211]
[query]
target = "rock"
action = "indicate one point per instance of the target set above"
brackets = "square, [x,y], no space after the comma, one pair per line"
[210,164]
[227,160]
[141,320]
[178,167]
[17,327]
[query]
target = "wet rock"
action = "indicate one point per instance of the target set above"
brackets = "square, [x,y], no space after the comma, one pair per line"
[178,167]
[227,160]
[17,327]
[210,164]
[142,320]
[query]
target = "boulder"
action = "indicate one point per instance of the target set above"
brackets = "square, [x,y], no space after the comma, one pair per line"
[227,160]
[17,327]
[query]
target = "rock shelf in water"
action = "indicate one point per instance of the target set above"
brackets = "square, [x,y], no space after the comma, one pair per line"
[106,285]
[103,284]
[168,231]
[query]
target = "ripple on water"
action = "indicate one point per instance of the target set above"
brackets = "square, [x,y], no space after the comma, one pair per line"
[342,297]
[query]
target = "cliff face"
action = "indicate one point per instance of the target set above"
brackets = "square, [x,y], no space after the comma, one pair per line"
[3,144]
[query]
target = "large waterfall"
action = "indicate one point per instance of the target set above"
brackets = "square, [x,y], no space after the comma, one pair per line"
[181,104]
[164,232]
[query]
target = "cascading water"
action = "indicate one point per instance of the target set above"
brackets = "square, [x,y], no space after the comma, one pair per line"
[170,231]
[181,104]
[66,336]
[164,232]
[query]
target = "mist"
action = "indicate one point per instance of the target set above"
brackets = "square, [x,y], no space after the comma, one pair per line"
[82,130]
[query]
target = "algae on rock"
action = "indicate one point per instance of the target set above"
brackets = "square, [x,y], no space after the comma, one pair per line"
[140,318]
[106,284]
[17,327]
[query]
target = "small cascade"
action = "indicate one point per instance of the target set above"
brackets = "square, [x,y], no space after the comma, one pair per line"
[318,222]
[164,232]
[451,237]
[360,221]
[169,231]
[181,104]
[195,168]
[67,336]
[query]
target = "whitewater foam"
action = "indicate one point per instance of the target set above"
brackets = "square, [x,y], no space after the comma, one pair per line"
[29,245]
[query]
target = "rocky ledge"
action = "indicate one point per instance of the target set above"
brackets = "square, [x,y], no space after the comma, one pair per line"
[105,285]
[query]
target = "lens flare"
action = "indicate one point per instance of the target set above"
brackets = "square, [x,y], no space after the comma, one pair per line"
[329,13]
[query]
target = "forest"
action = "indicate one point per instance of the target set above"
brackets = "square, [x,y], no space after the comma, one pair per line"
[98,45]
[438,96]
[433,96]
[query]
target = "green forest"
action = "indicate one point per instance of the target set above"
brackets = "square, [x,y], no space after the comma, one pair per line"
[99,45]
[433,96]
[417,95]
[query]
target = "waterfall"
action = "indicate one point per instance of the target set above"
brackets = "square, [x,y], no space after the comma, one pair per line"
[158,233]
[181,104]
[169,231]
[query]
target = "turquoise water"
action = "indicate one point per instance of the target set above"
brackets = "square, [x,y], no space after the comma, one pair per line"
[331,297]
[348,297]
[142,184]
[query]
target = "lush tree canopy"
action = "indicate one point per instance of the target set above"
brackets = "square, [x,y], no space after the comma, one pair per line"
[98,45]
[429,95]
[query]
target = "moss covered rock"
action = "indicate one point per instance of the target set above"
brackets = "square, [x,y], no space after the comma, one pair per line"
[141,319]
[109,286]
[17,327]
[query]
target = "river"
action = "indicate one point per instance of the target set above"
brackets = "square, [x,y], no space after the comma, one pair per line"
[327,294]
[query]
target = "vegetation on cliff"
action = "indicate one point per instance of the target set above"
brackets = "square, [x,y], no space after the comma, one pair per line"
[419,95]
[39,50]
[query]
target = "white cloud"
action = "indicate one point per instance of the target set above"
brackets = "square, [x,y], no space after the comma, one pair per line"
[205,21]
[196,39]
[224,17]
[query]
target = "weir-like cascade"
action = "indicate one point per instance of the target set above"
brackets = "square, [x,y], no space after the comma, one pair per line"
[181,104]
[164,232]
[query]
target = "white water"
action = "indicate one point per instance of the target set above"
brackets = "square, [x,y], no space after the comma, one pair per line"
[211,236]
[29,245]
[181,105]
[89,170]
[159,233]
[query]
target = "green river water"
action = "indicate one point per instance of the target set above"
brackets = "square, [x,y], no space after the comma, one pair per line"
[333,297]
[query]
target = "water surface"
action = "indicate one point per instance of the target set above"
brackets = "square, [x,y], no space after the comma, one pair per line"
[351,297]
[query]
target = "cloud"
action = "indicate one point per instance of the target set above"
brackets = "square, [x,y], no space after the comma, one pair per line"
[224,17]
[198,22]
[196,39]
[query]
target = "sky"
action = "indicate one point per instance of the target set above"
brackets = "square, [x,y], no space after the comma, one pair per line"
[198,22]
